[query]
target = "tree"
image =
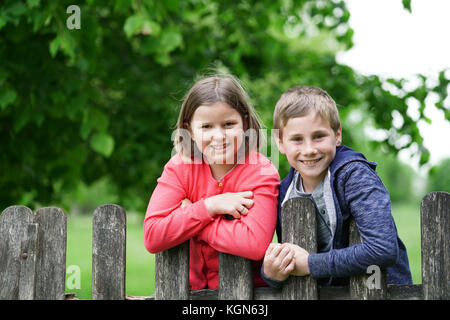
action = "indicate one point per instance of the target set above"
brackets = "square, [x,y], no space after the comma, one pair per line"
[438,177]
[102,100]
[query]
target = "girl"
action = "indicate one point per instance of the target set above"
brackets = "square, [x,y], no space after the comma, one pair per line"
[216,174]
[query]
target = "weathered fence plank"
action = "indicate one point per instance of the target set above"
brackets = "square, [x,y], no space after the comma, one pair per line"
[359,289]
[108,253]
[172,273]
[235,278]
[51,257]
[299,227]
[14,223]
[33,251]
[435,234]
[29,249]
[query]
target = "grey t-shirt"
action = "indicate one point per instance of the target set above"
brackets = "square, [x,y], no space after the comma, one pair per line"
[324,233]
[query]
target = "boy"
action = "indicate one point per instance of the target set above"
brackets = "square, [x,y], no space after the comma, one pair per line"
[342,184]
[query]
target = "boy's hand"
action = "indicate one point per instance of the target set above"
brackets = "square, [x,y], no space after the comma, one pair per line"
[301,260]
[279,261]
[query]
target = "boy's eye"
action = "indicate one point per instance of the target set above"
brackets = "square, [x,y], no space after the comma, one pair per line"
[319,136]
[297,139]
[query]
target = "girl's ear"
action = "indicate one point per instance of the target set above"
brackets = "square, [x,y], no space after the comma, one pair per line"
[187,127]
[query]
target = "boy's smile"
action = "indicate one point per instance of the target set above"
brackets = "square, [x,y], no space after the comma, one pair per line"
[309,144]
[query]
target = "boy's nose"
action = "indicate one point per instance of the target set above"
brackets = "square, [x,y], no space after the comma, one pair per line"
[308,148]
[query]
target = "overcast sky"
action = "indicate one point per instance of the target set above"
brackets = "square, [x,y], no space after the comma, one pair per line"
[391,42]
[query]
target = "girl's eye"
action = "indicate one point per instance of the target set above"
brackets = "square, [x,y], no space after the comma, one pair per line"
[229,124]
[206,126]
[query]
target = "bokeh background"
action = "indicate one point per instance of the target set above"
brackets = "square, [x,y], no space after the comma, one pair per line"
[86,115]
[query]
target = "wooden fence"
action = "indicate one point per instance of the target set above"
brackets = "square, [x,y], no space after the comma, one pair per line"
[33,259]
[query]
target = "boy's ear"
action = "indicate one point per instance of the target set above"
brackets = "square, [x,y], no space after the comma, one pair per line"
[339,136]
[279,141]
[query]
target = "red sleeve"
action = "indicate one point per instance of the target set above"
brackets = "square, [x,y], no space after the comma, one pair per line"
[250,235]
[166,224]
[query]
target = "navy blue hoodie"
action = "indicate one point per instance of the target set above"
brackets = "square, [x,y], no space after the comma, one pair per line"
[358,192]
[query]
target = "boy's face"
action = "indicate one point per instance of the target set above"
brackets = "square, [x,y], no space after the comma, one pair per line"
[309,144]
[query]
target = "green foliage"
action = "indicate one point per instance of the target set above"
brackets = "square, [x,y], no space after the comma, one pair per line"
[439,178]
[407,5]
[102,101]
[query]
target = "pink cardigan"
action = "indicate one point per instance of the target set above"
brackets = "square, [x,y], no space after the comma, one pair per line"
[166,224]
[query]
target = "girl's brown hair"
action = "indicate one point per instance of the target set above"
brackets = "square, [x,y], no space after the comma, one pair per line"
[211,90]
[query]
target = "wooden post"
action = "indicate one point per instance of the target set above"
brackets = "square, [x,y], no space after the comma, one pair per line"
[14,223]
[108,253]
[51,257]
[299,227]
[172,273]
[29,249]
[235,277]
[435,234]
[359,287]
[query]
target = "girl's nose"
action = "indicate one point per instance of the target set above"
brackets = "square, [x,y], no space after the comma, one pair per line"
[219,134]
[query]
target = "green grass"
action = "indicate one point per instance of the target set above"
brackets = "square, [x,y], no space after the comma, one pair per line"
[140,265]
[407,220]
[140,268]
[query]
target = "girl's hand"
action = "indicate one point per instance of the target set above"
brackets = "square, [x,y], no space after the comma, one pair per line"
[185,203]
[235,204]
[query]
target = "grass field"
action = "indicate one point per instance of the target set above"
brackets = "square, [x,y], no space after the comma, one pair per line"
[140,264]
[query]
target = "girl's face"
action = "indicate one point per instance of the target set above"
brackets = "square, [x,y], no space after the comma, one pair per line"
[218,132]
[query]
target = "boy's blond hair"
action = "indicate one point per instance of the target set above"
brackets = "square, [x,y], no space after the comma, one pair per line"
[300,101]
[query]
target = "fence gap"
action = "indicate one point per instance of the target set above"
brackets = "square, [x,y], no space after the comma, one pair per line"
[108,253]
[299,227]
[172,273]
[235,277]
[435,229]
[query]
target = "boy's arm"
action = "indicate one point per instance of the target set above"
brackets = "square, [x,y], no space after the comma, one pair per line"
[368,202]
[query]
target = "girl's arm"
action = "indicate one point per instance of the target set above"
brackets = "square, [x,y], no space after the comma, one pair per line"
[250,235]
[167,224]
